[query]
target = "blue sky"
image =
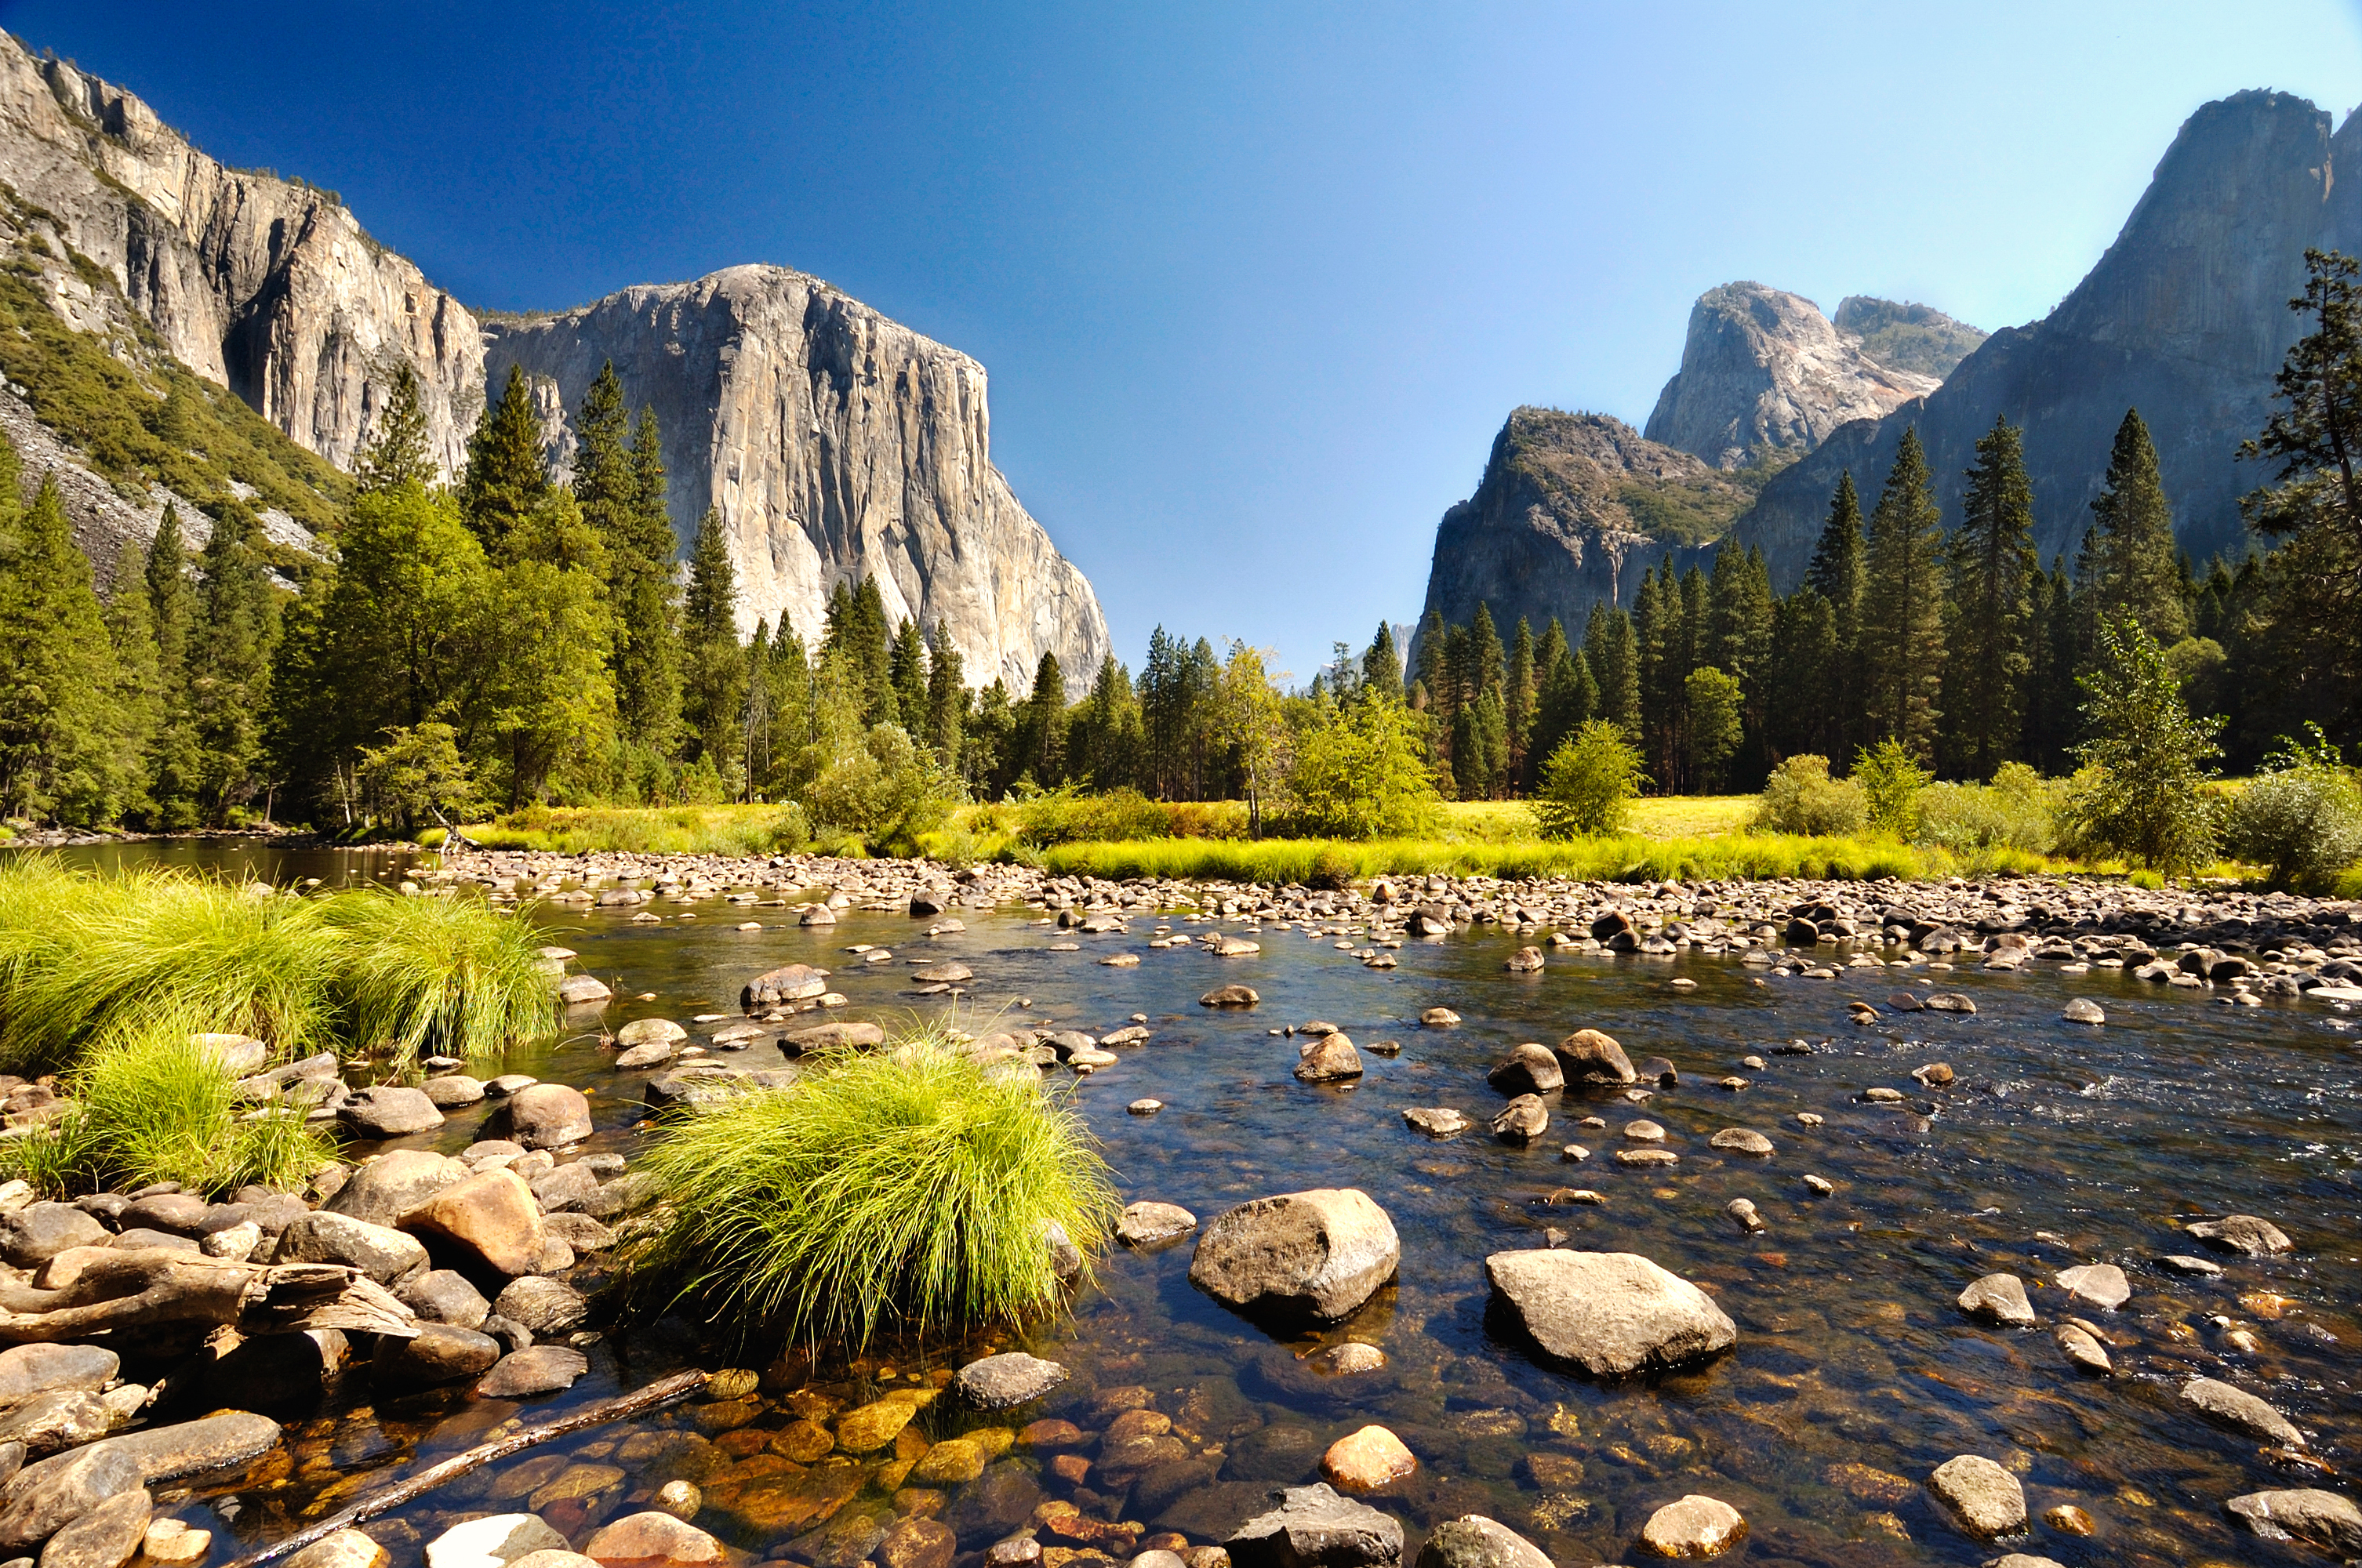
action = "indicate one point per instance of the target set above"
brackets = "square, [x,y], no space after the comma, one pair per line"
[1256,284]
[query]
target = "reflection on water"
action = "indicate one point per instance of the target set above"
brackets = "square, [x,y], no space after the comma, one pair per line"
[1854,1376]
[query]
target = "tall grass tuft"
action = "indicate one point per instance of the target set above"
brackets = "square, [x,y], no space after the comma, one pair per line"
[907,1189]
[423,977]
[148,1106]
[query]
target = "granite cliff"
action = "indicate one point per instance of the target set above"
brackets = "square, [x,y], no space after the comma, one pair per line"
[1765,374]
[836,444]
[2185,317]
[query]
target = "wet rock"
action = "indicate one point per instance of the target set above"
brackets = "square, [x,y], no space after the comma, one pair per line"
[1345,1359]
[2081,1347]
[2326,1519]
[492,1542]
[831,1037]
[106,1537]
[2228,1406]
[1438,1122]
[1328,1059]
[653,1540]
[583,990]
[1998,1299]
[1315,1528]
[533,1371]
[1743,1210]
[952,1461]
[1522,1120]
[1588,1056]
[787,983]
[1006,1381]
[918,1543]
[543,1305]
[445,1296]
[1610,1313]
[2204,1268]
[1697,1525]
[42,1498]
[1230,995]
[1145,1224]
[380,1251]
[192,1448]
[28,1370]
[491,1214]
[344,1549]
[579,1231]
[2241,1233]
[1367,1460]
[1527,1069]
[1742,1140]
[548,1116]
[39,1231]
[2097,1285]
[393,1184]
[453,1090]
[1438,1018]
[46,1423]
[1986,1499]
[1320,1254]
[1004,1500]
[441,1353]
[2083,1010]
[385,1111]
[1473,1540]
[869,1427]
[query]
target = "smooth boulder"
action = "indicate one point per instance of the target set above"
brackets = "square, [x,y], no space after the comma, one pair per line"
[1588,1056]
[548,1116]
[1695,1526]
[1473,1540]
[2234,1408]
[1006,1381]
[2326,1520]
[1987,1500]
[381,1251]
[1527,1069]
[653,1540]
[491,1214]
[393,1184]
[1998,1299]
[1612,1314]
[1315,1528]
[1319,1253]
[386,1110]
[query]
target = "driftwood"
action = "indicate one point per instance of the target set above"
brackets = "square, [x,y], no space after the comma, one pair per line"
[145,1288]
[653,1397]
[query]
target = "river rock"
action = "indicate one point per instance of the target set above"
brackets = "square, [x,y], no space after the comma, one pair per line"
[445,1296]
[548,1116]
[385,1111]
[2098,1284]
[651,1031]
[543,1305]
[1522,1120]
[62,1419]
[1986,1499]
[914,1543]
[453,1090]
[2241,1233]
[1230,995]
[532,1372]
[342,1549]
[1328,1059]
[653,1540]
[1610,1313]
[1524,961]
[1319,1253]
[1587,1056]
[1145,1224]
[491,1214]
[1742,1140]
[1473,1540]
[2326,1520]
[28,1370]
[1315,1528]
[384,1253]
[1998,1299]
[393,1184]
[787,983]
[442,1352]
[2236,1407]
[1367,1460]
[39,1231]
[492,1542]
[2083,1010]
[1438,1122]
[1697,1525]
[2081,1347]
[583,990]
[106,1537]
[812,1037]
[43,1497]
[1527,1069]
[1006,1381]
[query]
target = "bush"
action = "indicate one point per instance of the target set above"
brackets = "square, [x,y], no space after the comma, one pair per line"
[435,977]
[2017,811]
[907,1188]
[1066,816]
[1361,774]
[1891,781]
[1588,783]
[2140,793]
[886,790]
[2301,817]
[1801,799]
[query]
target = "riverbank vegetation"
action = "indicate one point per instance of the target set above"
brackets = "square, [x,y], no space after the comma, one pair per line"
[907,1188]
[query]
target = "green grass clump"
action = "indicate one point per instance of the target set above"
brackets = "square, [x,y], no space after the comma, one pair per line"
[149,1106]
[428,977]
[649,830]
[904,1189]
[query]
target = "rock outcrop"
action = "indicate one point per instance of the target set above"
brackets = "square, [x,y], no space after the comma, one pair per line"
[2185,317]
[836,444]
[1914,337]
[1764,373]
[266,286]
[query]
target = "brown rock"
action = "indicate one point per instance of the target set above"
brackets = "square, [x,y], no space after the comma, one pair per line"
[915,1543]
[1591,1058]
[654,1540]
[1695,1526]
[1367,1460]
[491,1213]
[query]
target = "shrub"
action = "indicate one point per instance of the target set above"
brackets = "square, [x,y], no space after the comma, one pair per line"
[1588,783]
[417,774]
[886,790]
[2301,817]
[1066,816]
[1891,781]
[907,1188]
[1801,799]
[437,977]
[1361,774]
[2141,793]
[2017,811]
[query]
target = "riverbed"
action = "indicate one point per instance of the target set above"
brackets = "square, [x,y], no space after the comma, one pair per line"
[1855,1373]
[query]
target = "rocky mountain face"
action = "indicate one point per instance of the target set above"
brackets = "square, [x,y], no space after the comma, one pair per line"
[1573,508]
[264,285]
[1765,373]
[836,444]
[2185,317]
[1914,338]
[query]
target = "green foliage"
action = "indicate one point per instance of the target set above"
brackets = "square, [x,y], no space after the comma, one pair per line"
[416,775]
[1989,610]
[2301,817]
[713,664]
[1900,650]
[2018,810]
[1891,781]
[1907,336]
[66,750]
[396,452]
[1716,725]
[669,829]
[905,1189]
[2128,566]
[2140,794]
[1359,774]
[1801,799]
[506,475]
[449,976]
[1588,783]
[231,645]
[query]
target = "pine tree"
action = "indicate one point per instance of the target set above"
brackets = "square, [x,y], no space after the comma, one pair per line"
[397,451]
[1428,674]
[1103,734]
[1837,574]
[1569,699]
[1658,633]
[1480,745]
[61,756]
[230,649]
[1739,645]
[1518,694]
[1608,649]
[856,629]
[1040,741]
[946,696]
[2128,564]
[172,767]
[1382,666]
[1805,715]
[647,646]
[1989,623]
[138,681]
[1901,651]
[2052,703]
[506,476]
[906,670]
[714,691]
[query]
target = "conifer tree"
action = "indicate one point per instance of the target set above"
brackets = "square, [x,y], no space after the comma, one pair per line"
[1040,741]
[506,476]
[1518,694]
[905,669]
[1901,651]
[138,681]
[1568,699]
[230,649]
[397,451]
[61,756]
[647,652]
[1382,666]
[1103,734]
[1657,629]
[2052,702]
[1990,609]
[946,696]
[714,690]
[1805,716]
[172,767]
[2128,564]
[1480,745]
[1430,674]
[1739,645]
[1837,574]
[1615,665]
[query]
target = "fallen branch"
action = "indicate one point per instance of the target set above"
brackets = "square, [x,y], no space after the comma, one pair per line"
[656,1395]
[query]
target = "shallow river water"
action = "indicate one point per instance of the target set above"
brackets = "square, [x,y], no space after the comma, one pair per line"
[1854,1376]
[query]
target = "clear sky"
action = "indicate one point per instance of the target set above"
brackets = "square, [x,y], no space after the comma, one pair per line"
[1256,283]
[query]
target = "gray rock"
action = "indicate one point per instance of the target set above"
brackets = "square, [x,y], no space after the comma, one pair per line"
[1230,995]
[2083,1010]
[1527,1069]
[548,1116]
[28,1370]
[2326,1519]
[174,1213]
[651,1031]
[1986,1499]
[378,1251]
[2236,1407]
[1695,1526]
[442,1352]
[1612,1314]
[383,1110]
[1315,1528]
[1145,1224]
[445,1296]
[44,1497]
[544,1306]
[492,1542]
[1438,1122]
[528,1373]
[1006,1381]
[106,1537]
[46,1423]
[776,988]
[453,1090]
[831,1037]
[393,1184]
[1742,1140]
[1328,1059]
[654,1054]
[1473,1540]
[1522,1120]
[579,1231]
[1998,1299]
[583,990]
[2241,1233]
[1319,1253]
[2099,1285]
[39,1231]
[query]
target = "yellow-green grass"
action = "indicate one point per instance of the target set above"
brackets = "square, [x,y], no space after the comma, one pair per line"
[645,830]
